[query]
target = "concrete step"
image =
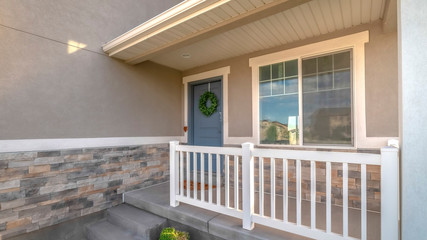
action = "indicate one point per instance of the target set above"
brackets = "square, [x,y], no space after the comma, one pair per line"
[104,230]
[156,200]
[137,221]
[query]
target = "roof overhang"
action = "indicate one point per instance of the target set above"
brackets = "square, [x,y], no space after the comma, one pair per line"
[159,24]
[211,30]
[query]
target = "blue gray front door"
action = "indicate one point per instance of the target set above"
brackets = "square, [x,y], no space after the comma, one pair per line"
[206,130]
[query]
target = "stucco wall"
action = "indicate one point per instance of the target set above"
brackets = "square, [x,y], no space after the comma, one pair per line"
[49,89]
[381,82]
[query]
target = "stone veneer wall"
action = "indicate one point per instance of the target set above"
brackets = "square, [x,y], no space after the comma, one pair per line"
[373,181]
[373,178]
[40,189]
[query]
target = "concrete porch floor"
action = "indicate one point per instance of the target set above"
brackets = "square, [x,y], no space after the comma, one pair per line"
[155,199]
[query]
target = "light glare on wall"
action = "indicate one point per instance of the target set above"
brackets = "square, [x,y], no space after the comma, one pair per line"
[74,46]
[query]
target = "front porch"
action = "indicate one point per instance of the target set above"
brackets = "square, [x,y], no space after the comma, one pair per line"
[280,189]
[155,199]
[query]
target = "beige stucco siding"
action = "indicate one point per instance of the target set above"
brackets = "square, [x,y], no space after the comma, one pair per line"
[382,85]
[380,78]
[51,90]
[89,22]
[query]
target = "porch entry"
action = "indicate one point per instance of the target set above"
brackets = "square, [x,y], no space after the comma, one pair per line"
[205,130]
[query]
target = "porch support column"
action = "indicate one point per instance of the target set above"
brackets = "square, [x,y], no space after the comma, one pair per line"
[412,34]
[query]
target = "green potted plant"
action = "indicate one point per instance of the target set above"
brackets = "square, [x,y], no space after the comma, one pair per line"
[172,234]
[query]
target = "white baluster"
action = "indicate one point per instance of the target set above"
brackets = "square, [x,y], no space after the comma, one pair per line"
[273,187]
[363,202]
[236,182]
[218,180]
[181,173]
[285,190]
[194,175]
[298,182]
[345,199]
[210,177]
[261,186]
[313,193]
[202,177]
[227,181]
[328,197]
[188,174]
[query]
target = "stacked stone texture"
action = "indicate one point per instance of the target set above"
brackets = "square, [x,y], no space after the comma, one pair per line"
[373,176]
[40,189]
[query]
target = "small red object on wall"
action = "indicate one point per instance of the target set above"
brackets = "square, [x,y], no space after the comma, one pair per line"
[185,128]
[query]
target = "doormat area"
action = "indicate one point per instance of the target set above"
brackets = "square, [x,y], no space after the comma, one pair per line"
[199,187]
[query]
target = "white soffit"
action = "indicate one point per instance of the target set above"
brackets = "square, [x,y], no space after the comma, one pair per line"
[213,30]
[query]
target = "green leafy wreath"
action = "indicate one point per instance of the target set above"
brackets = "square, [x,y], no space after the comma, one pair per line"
[208,111]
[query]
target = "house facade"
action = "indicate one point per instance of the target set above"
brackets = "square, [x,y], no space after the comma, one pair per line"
[92,94]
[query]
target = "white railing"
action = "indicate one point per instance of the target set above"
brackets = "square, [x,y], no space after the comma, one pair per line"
[185,160]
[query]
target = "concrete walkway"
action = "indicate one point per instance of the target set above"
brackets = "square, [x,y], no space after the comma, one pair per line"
[155,199]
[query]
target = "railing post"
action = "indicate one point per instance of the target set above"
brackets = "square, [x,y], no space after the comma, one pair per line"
[173,173]
[248,185]
[389,193]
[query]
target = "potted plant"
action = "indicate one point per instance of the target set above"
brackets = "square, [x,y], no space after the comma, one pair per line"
[172,234]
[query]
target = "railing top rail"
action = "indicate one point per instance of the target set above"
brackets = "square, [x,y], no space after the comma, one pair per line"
[320,156]
[212,150]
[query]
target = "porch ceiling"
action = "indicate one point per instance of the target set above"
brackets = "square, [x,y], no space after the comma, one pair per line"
[212,30]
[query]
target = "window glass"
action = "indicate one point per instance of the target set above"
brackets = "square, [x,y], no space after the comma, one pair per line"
[342,60]
[278,87]
[291,85]
[265,73]
[279,107]
[277,70]
[265,88]
[327,109]
[342,79]
[310,83]
[310,66]
[325,81]
[291,68]
[324,63]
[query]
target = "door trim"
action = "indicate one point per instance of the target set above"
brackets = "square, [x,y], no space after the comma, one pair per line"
[188,80]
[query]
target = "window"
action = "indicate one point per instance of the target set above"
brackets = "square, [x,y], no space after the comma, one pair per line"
[326,85]
[326,111]
[278,91]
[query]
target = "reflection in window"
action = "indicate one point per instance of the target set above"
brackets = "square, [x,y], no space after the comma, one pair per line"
[278,91]
[327,99]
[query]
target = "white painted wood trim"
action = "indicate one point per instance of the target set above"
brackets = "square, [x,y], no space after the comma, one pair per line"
[310,50]
[219,72]
[356,42]
[390,206]
[173,171]
[166,19]
[22,145]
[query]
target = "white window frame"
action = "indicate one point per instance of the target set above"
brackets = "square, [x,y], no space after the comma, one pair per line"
[356,42]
